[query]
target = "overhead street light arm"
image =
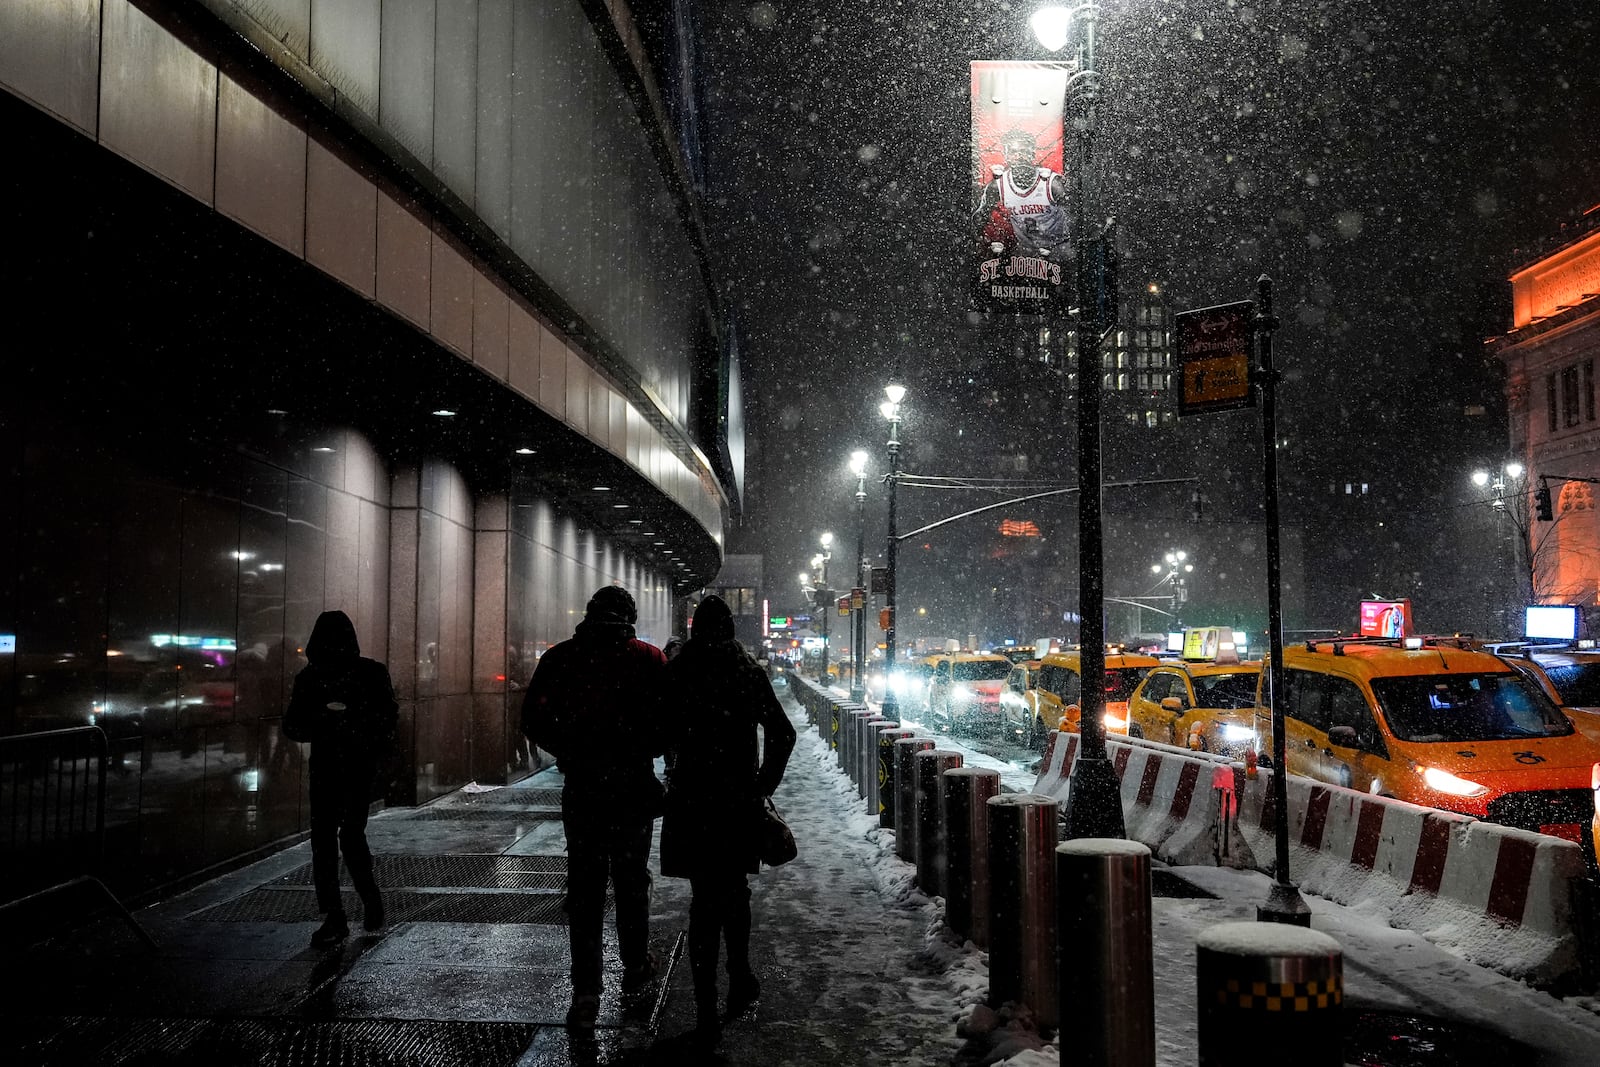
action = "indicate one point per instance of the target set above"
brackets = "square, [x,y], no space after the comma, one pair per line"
[1031,496]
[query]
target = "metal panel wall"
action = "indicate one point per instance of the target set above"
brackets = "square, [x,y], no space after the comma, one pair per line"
[158,100]
[50,54]
[261,167]
[455,96]
[405,76]
[344,48]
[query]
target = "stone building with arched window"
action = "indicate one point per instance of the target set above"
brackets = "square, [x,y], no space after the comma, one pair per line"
[1550,355]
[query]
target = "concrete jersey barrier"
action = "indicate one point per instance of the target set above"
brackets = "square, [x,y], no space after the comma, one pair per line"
[1500,897]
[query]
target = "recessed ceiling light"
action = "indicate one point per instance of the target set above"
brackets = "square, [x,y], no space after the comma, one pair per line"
[619,505]
[658,543]
[276,411]
[636,522]
[322,448]
[444,412]
[524,451]
[601,488]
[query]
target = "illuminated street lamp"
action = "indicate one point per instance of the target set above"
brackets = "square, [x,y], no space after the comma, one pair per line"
[858,623]
[824,600]
[890,409]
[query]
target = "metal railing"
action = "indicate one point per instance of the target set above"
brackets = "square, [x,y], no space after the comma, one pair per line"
[52,806]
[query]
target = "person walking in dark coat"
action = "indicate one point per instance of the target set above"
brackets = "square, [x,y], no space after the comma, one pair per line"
[718,775]
[344,705]
[593,705]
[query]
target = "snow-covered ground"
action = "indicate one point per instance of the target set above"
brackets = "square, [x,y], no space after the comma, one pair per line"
[1384,968]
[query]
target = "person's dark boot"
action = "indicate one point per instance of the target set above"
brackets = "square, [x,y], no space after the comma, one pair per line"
[372,912]
[334,929]
[743,991]
[636,978]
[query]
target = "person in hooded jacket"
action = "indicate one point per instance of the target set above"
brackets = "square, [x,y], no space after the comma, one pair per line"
[718,775]
[592,704]
[343,704]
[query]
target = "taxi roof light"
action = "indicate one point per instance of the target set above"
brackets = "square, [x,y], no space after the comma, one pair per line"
[1413,642]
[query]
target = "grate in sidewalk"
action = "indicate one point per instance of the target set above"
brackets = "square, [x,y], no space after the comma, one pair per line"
[300,905]
[265,1042]
[483,813]
[481,871]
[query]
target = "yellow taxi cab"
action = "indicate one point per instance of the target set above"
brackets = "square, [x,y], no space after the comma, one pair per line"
[1569,674]
[1436,722]
[1207,706]
[964,692]
[1058,691]
[1018,702]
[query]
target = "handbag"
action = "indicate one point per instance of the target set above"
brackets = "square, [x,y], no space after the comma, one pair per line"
[774,840]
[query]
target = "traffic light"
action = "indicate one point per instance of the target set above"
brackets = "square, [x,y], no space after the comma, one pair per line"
[1541,500]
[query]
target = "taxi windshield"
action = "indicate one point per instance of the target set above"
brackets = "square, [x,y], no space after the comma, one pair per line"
[1578,684]
[981,670]
[1226,690]
[1468,707]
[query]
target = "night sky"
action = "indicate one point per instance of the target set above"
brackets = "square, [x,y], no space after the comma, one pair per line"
[1386,164]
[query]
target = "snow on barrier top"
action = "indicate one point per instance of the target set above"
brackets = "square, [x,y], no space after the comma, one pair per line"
[1500,897]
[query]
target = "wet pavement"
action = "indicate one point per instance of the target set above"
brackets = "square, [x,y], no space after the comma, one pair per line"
[473,966]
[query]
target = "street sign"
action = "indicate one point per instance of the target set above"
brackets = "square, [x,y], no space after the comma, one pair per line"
[1214,358]
[844,606]
[858,598]
[880,580]
[883,618]
[778,622]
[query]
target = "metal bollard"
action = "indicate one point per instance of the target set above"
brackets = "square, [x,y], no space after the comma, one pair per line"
[964,803]
[905,794]
[847,722]
[1281,984]
[867,759]
[1105,970]
[931,765]
[833,727]
[1022,902]
[851,758]
[885,772]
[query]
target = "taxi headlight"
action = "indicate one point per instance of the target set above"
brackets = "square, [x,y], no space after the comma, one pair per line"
[904,686]
[1235,733]
[1445,782]
[1114,722]
[962,695]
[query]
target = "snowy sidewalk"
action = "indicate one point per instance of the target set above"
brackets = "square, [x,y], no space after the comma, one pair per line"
[1402,993]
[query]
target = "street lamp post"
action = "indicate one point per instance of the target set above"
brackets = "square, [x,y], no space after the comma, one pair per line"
[858,613]
[1094,801]
[825,604]
[890,408]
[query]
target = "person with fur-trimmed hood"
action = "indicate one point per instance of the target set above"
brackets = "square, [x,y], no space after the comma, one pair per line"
[593,705]
[718,774]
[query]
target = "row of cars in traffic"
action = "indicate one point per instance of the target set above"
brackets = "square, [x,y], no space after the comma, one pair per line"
[1506,732]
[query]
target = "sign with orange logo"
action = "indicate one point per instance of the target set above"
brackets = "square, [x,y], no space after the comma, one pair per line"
[1214,358]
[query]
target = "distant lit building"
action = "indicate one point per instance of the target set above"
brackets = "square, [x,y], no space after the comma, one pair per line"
[1550,355]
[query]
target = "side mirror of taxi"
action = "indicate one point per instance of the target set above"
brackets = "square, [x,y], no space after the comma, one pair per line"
[1172,704]
[1343,736]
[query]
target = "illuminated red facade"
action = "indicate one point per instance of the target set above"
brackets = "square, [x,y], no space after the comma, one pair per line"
[1550,355]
